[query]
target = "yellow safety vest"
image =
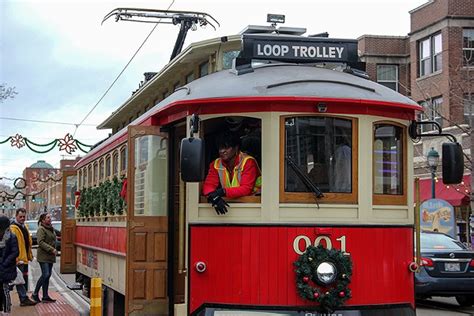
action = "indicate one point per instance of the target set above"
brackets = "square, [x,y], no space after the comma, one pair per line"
[224,176]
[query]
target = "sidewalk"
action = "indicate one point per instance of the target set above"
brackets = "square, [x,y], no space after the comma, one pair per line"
[58,308]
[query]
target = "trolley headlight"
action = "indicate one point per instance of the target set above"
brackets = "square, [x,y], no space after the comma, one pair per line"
[326,272]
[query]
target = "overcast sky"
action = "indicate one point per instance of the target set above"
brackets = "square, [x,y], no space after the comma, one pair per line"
[61,59]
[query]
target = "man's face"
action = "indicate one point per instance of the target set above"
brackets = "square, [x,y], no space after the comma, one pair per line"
[226,154]
[21,217]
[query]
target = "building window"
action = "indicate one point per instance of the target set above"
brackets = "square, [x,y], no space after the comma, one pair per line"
[468,47]
[325,150]
[190,77]
[430,50]
[432,112]
[468,102]
[387,75]
[96,173]
[204,69]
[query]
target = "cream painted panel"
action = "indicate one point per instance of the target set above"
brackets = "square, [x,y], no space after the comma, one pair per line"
[236,211]
[387,215]
[270,166]
[121,271]
[110,268]
[306,212]
[365,167]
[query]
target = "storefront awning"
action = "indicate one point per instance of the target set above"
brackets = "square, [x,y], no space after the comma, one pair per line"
[456,195]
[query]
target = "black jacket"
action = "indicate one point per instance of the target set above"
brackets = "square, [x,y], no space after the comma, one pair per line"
[8,256]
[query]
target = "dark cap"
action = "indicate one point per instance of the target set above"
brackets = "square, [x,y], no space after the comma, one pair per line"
[4,222]
[228,139]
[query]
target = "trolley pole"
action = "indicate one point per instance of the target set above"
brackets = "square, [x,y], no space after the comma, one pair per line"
[417,222]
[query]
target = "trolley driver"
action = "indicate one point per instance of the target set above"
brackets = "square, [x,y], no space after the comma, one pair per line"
[232,175]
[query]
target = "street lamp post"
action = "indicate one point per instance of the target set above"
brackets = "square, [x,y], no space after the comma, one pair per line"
[433,160]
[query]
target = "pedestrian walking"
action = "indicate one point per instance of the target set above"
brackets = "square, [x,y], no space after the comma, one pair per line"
[25,244]
[8,254]
[46,257]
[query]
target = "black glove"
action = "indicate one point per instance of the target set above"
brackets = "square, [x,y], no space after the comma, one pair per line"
[215,194]
[220,206]
[215,198]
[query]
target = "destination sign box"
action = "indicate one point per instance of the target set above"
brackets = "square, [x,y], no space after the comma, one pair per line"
[299,49]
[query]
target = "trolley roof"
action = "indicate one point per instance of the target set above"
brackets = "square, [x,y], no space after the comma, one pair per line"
[265,83]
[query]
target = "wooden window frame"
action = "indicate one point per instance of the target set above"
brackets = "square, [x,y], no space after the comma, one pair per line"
[115,164]
[391,199]
[101,169]
[329,198]
[123,162]
[108,164]
[90,176]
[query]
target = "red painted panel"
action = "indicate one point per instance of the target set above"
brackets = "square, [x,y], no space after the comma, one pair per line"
[110,239]
[253,265]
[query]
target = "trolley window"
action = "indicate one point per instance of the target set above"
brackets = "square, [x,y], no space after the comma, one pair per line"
[389,164]
[123,160]
[107,166]
[318,156]
[101,169]
[115,163]
[247,132]
[151,176]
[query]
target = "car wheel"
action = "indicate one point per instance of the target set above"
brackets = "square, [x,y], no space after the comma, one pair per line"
[465,300]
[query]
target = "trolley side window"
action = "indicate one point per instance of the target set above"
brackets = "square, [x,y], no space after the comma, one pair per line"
[322,150]
[247,130]
[151,176]
[389,164]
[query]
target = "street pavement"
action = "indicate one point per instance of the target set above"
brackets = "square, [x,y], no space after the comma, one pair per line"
[68,302]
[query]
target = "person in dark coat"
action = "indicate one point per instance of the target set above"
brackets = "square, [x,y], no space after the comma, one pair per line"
[8,254]
[46,256]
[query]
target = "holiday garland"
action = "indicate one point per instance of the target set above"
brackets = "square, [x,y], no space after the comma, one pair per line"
[103,199]
[309,287]
[67,143]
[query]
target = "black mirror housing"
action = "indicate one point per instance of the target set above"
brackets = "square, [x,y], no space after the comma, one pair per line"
[192,160]
[453,163]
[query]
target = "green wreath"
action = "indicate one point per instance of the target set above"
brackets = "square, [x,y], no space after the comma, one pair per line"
[309,287]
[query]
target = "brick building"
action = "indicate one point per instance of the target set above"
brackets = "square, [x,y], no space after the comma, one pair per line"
[40,170]
[41,194]
[434,65]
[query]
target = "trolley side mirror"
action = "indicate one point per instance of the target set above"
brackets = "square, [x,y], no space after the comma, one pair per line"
[192,160]
[453,163]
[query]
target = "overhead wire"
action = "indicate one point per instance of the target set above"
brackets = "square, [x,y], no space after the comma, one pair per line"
[41,121]
[121,72]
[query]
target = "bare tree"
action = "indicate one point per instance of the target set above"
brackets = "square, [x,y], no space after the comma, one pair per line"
[6,92]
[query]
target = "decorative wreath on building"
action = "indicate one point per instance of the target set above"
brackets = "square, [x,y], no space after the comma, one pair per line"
[323,276]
